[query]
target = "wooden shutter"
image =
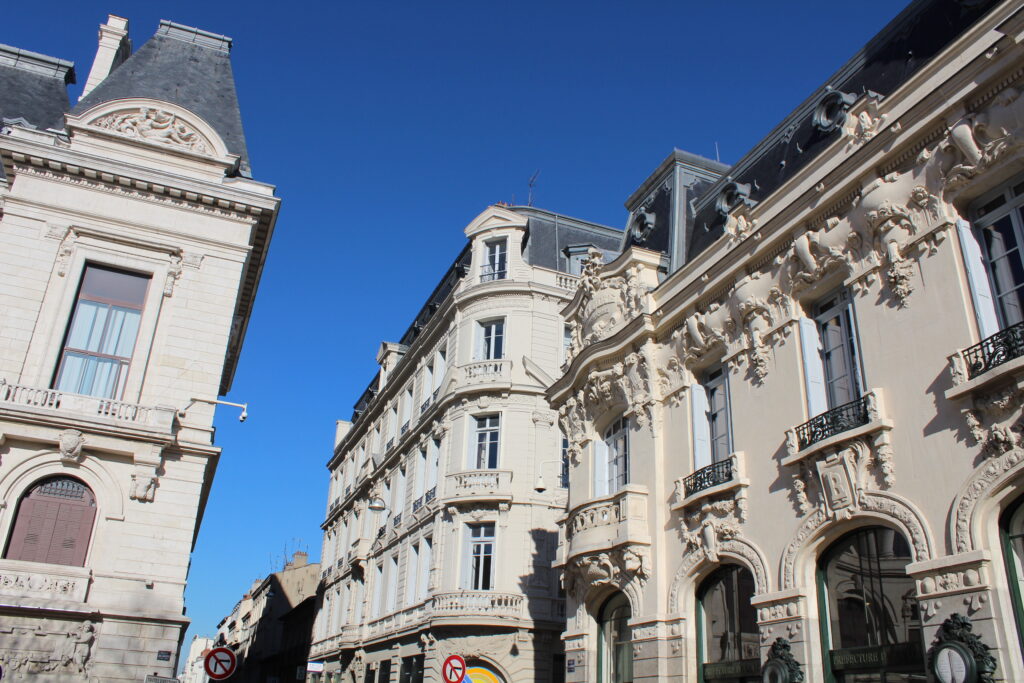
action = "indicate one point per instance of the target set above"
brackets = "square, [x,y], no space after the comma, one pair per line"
[54,523]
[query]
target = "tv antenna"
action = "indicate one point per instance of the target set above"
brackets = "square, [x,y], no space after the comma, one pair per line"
[531,182]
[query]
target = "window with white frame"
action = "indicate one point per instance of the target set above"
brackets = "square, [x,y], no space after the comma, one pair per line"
[616,445]
[487,440]
[712,433]
[411,573]
[433,462]
[495,261]
[563,471]
[999,230]
[378,591]
[566,341]
[426,557]
[480,554]
[101,337]
[392,580]
[574,257]
[491,339]
[830,354]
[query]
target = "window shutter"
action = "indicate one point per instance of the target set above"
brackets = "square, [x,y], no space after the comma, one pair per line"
[977,278]
[701,429]
[814,370]
[600,468]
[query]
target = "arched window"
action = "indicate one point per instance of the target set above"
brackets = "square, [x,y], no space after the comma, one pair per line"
[870,621]
[1012,531]
[53,523]
[615,641]
[729,642]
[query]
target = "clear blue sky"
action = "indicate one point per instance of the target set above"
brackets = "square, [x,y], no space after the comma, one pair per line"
[387,126]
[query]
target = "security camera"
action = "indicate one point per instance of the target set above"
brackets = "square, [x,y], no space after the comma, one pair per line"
[245,414]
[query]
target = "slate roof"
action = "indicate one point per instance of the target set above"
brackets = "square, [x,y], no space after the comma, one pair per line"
[184,66]
[33,87]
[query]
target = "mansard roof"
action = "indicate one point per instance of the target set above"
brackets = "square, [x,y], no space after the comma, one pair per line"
[185,66]
[33,87]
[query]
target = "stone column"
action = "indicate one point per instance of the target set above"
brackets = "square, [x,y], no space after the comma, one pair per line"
[783,614]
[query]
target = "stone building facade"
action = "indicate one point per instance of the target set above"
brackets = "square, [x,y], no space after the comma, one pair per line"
[798,447]
[446,484]
[132,239]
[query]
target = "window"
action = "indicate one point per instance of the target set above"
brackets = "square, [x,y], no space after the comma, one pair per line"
[615,641]
[729,640]
[494,267]
[412,669]
[53,523]
[491,340]
[101,337]
[830,356]
[481,556]
[426,558]
[999,227]
[712,433]
[411,573]
[433,460]
[378,591]
[616,442]
[1011,528]
[392,588]
[871,622]
[563,473]
[487,435]
[566,341]
[574,257]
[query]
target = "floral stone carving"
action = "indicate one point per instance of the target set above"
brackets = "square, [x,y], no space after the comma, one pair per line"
[780,665]
[957,629]
[70,443]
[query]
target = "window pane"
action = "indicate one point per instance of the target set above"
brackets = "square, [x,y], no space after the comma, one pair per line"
[87,326]
[114,287]
[89,375]
[730,623]
[121,331]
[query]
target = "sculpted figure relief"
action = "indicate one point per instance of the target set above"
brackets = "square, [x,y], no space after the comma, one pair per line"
[154,125]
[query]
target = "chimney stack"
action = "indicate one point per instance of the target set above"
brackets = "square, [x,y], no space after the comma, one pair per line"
[114,48]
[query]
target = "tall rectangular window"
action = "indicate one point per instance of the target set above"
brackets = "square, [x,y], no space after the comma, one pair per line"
[392,589]
[378,591]
[616,442]
[838,350]
[488,432]
[481,556]
[433,462]
[494,267]
[398,504]
[563,471]
[999,225]
[717,391]
[491,340]
[101,337]
[426,558]
[412,561]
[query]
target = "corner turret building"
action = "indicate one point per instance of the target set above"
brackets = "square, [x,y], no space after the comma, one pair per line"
[132,240]
[446,483]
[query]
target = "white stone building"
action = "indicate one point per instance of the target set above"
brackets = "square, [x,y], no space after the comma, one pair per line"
[194,670]
[132,239]
[798,455]
[445,486]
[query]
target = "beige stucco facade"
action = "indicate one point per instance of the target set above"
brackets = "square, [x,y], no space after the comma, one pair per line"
[934,452]
[165,210]
[399,583]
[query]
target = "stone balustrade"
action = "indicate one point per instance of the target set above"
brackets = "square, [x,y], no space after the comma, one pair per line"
[77,406]
[479,486]
[499,370]
[608,521]
[478,603]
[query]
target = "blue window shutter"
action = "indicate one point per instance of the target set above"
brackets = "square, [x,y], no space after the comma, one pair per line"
[814,370]
[701,429]
[977,278]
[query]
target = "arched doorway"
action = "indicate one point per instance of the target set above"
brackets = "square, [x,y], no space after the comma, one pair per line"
[869,616]
[479,671]
[1011,529]
[728,640]
[53,523]
[615,641]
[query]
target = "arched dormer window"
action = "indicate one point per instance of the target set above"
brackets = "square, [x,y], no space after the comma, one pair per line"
[53,523]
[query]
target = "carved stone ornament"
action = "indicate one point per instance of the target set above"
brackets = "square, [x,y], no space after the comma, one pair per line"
[143,486]
[70,443]
[966,652]
[607,303]
[157,126]
[990,476]
[626,568]
[843,472]
[781,666]
[738,227]
[39,647]
[864,121]
[995,421]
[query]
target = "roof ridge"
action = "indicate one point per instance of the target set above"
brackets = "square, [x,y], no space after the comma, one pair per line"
[191,34]
[26,60]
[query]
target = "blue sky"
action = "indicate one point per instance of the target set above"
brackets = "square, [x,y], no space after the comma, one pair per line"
[388,126]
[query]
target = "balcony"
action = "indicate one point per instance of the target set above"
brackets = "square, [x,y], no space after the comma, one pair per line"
[479,486]
[396,521]
[404,429]
[417,504]
[483,371]
[74,407]
[426,404]
[991,361]
[429,496]
[720,477]
[851,420]
[609,521]
[479,604]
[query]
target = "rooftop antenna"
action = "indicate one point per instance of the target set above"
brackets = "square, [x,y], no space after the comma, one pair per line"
[531,183]
[716,152]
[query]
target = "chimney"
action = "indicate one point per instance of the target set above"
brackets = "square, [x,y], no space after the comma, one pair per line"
[114,48]
[388,356]
[341,429]
[299,559]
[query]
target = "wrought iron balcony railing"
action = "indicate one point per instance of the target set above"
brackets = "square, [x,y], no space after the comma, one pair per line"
[431,494]
[706,477]
[425,405]
[396,520]
[832,422]
[417,504]
[382,530]
[1001,347]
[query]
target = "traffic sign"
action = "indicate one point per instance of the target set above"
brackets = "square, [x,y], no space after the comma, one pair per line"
[454,669]
[219,663]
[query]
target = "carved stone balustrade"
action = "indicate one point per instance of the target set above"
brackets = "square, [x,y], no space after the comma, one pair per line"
[608,521]
[483,371]
[478,604]
[478,486]
[29,583]
[74,407]
[720,477]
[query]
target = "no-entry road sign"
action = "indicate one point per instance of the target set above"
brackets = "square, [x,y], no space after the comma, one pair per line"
[454,669]
[219,663]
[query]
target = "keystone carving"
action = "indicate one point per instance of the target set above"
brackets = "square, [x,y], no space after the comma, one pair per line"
[626,568]
[70,443]
[143,486]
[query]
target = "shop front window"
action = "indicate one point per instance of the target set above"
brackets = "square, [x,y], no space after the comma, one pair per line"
[615,646]
[729,641]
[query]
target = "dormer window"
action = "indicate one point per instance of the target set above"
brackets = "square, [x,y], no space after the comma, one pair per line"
[574,257]
[495,266]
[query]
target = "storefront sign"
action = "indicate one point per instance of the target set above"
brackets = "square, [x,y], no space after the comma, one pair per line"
[860,658]
[740,667]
